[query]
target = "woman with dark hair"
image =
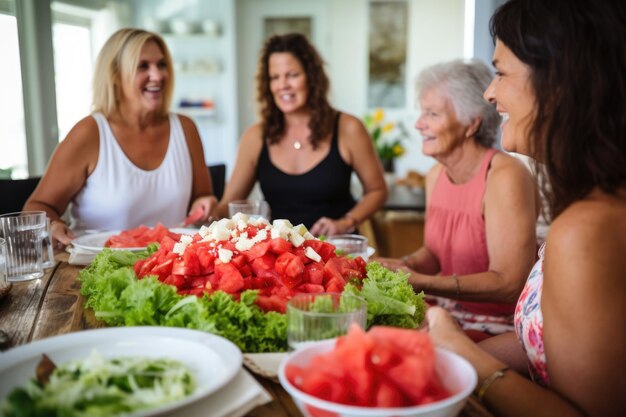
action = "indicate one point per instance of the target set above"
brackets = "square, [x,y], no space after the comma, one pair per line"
[303,151]
[561,82]
[474,259]
[131,162]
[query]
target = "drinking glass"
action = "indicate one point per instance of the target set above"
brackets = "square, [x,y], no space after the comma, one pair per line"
[312,317]
[23,233]
[352,245]
[253,208]
[3,265]
[47,251]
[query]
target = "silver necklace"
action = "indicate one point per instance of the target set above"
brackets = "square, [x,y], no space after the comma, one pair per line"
[297,145]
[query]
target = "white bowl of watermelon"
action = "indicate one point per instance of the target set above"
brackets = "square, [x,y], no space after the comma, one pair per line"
[385,372]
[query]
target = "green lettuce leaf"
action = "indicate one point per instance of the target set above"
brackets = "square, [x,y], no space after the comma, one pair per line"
[390,298]
[118,298]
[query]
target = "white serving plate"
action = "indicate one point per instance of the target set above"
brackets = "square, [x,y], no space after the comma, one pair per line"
[213,360]
[94,242]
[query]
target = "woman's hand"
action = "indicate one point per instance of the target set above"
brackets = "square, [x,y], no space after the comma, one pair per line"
[61,234]
[445,331]
[206,204]
[326,226]
[393,264]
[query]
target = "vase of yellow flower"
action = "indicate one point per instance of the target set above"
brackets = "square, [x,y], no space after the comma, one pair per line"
[388,138]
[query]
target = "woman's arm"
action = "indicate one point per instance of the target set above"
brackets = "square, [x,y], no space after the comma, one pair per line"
[356,148]
[513,395]
[506,348]
[422,261]
[243,177]
[71,163]
[510,212]
[202,189]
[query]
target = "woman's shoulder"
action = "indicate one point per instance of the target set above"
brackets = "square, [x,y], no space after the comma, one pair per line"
[506,170]
[352,132]
[253,134]
[349,123]
[597,217]
[503,162]
[83,133]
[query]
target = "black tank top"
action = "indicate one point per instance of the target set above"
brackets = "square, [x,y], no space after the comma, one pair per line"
[304,198]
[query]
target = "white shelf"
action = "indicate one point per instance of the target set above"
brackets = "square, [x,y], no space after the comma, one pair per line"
[195,111]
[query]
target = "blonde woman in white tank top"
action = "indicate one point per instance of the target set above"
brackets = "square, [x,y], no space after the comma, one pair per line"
[131,162]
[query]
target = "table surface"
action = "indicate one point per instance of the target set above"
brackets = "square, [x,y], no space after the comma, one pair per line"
[53,305]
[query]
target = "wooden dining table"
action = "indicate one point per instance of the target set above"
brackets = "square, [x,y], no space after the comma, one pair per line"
[53,305]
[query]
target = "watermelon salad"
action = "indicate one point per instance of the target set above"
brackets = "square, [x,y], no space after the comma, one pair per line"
[140,237]
[239,254]
[234,279]
[384,367]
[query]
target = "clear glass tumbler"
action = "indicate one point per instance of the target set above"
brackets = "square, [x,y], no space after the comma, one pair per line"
[3,266]
[312,317]
[23,233]
[349,244]
[253,208]
[47,251]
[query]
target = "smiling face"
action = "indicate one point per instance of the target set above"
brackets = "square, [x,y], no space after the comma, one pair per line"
[288,82]
[147,87]
[513,95]
[441,131]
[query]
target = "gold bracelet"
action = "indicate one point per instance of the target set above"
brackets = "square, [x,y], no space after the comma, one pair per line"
[53,222]
[489,381]
[458,286]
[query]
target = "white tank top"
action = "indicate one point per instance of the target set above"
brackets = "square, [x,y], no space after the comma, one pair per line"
[119,195]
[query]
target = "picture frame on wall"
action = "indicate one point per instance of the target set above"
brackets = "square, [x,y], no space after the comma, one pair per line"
[283,25]
[387,56]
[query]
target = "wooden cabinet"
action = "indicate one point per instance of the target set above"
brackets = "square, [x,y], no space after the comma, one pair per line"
[397,233]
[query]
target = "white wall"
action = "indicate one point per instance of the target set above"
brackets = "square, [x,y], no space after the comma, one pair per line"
[219,132]
[435,34]
[340,32]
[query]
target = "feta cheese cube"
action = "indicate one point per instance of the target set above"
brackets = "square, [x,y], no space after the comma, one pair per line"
[244,244]
[225,255]
[179,248]
[295,239]
[310,253]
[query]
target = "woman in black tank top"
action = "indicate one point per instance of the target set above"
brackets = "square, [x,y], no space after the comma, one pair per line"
[303,151]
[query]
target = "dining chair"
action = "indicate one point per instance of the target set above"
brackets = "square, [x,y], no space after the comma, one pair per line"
[15,193]
[218,179]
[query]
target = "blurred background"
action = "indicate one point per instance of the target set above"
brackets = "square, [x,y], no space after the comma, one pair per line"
[373,50]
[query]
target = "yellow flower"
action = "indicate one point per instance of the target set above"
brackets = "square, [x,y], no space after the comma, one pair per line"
[398,150]
[379,115]
[388,127]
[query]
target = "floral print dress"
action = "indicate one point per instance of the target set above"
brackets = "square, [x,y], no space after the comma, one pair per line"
[529,323]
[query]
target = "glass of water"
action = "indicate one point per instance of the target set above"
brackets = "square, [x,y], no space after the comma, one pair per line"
[3,266]
[47,251]
[350,245]
[23,233]
[313,317]
[253,208]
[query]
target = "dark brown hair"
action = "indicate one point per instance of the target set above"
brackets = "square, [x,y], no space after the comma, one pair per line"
[577,58]
[273,120]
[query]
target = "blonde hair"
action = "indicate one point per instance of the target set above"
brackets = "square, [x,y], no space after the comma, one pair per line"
[117,63]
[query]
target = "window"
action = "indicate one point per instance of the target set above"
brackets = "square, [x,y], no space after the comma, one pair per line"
[13,158]
[73,69]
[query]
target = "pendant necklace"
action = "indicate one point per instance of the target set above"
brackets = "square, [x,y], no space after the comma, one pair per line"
[297,145]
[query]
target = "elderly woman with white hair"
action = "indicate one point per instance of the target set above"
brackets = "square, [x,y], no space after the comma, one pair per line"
[482,205]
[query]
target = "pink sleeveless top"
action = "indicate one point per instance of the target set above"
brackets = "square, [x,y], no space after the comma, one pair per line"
[455,233]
